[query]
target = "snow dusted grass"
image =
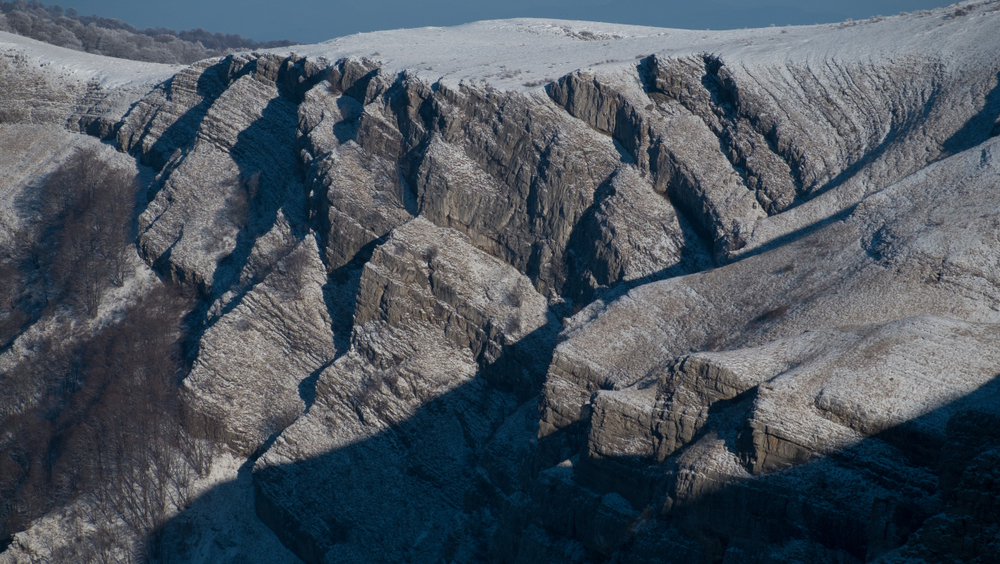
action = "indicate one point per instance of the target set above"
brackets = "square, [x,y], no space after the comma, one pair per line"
[84,67]
[789,291]
[526,53]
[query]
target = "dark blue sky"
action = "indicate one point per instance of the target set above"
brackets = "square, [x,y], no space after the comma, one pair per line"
[310,21]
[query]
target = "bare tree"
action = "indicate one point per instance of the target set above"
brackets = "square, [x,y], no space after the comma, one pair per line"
[112,37]
[88,210]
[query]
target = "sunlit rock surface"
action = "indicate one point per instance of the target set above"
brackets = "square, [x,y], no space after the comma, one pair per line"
[543,291]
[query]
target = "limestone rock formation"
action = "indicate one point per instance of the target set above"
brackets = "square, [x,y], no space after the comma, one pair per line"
[260,348]
[448,341]
[534,291]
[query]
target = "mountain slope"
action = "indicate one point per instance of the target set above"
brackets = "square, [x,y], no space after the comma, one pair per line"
[532,291]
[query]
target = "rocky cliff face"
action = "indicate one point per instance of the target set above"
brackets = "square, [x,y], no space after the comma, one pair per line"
[722,297]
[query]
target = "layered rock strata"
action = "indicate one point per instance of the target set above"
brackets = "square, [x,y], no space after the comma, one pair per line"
[720,298]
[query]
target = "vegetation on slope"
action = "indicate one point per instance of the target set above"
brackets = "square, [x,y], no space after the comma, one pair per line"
[115,38]
[91,418]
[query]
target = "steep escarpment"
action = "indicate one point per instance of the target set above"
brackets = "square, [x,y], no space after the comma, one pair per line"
[512,171]
[683,297]
[228,127]
[735,141]
[227,214]
[652,443]
[645,422]
[407,415]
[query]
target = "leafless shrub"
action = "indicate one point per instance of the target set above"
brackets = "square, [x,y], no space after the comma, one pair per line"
[430,253]
[114,38]
[87,211]
[513,299]
[961,11]
[772,315]
[715,343]
[198,450]
[508,74]
[512,326]
[239,204]
[109,434]
[238,208]
[295,266]
[297,263]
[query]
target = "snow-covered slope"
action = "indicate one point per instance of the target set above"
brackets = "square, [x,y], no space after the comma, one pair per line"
[509,53]
[556,291]
[83,67]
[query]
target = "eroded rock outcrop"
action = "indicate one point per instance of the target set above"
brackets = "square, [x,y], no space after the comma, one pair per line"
[222,134]
[772,254]
[513,172]
[262,348]
[736,140]
[448,342]
[694,429]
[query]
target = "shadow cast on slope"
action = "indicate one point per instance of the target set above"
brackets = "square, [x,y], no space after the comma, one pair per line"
[589,274]
[214,528]
[427,470]
[270,184]
[980,127]
[897,492]
[464,479]
[975,132]
[898,131]
[265,154]
[797,234]
[27,270]
[977,129]
[419,489]
[181,134]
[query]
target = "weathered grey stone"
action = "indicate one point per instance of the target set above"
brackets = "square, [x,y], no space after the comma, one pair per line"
[655,417]
[247,382]
[222,135]
[444,345]
[361,196]
[677,146]
[801,401]
[547,169]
